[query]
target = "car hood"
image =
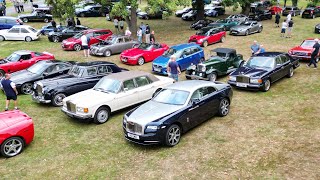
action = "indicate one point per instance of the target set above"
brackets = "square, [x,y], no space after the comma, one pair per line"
[3,31]
[197,37]
[250,72]
[152,111]
[71,40]
[133,52]
[214,60]
[3,125]
[62,81]
[240,27]
[299,48]
[161,60]
[90,97]
[55,33]
[100,45]
[142,13]
[22,76]
[11,118]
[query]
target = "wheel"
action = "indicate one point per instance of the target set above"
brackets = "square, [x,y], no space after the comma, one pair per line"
[223,39]
[205,44]
[173,135]
[25,20]
[12,147]
[290,73]
[2,38]
[103,14]
[77,47]
[46,20]
[82,15]
[212,77]
[266,85]
[26,88]
[260,29]
[55,39]
[28,39]
[140,61]
[2,73]
[216,15]
[102,115]
[147,18]
[247,32]
[58,99]
[224,107]
[107,53]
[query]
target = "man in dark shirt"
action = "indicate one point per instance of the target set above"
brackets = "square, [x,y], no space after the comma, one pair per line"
[314,54]
[290,27]
[78,22]
[10,90]
[277,20]
[173,68]
[152,38]
[147,33]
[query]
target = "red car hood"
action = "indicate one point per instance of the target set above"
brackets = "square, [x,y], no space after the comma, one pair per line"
[10,118]
[133,52]
[197,37]
[301,49]
[72,39]
[48,54]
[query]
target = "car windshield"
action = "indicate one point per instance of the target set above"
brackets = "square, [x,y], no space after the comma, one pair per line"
[111,39]
[145,46]
[171,52]
[87,8]
[77,36]
[13,57]
[108,85]
[172,96]
[308,43]
[38,68]
[76,71]
[246,23]
[203,32]
[222,21]
[32,29]
[260,62]
[288,8]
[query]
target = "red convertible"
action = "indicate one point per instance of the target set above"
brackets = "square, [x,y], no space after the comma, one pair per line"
[303,52]
[208,35]
[22,60]
[95,35]
[275,9]
[143,53]
[16,131]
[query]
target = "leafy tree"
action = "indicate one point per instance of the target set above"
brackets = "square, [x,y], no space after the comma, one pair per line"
[199,6]
[63,9]
[294,2]
[244,4]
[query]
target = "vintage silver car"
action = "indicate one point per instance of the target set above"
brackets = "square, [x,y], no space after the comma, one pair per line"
[113,45]
[246,28]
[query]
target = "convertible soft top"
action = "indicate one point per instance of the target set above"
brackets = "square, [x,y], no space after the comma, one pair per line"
[224,50]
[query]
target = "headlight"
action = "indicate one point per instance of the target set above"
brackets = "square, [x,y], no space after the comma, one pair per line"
[152,127]
[232,78]
[203,69]
[83,110]
[201,40]
[255,81]
[124,119]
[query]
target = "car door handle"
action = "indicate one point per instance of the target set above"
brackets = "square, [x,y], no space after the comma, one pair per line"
[194,108]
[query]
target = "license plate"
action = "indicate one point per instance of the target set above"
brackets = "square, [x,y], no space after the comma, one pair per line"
[200,74]
[242,84]
[133,136]
[124,60]
[157,69]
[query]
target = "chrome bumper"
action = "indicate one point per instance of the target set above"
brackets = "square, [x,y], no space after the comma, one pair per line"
[74,115]
[40,99]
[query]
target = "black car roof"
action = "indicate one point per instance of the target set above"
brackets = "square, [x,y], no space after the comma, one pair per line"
[270,54]
[58,61]
[224,50]
[93,63]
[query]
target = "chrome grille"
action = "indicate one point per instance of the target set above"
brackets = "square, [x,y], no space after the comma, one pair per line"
[200,67]
[39,89]
[243,79]
[134,127]
[71,107]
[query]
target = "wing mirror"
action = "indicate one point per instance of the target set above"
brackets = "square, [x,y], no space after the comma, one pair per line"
[20,60]
[194,101]
[125,89]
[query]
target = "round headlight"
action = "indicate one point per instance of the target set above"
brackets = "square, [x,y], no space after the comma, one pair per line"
[203,69]
[232,78]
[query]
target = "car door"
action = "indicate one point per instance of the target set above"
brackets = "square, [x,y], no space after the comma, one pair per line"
[185,59]
[13,34]
[286,64]
[69,32]
[254,26]
[24,62]
[117,46]
[128,43]
[145,88]
[277,73]
[127,96]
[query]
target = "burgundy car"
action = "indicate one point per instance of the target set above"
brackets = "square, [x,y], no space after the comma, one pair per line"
[16,131]
[208,35]
[95,35]
[303,52]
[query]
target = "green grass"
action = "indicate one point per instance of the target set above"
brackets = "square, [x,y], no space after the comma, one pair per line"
[272,135]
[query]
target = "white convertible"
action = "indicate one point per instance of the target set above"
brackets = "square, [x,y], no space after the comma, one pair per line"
[112,93]
[20,33]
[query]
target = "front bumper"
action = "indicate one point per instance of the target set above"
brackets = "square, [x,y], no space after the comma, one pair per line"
[145,139]
[305,58]
[245,85]
[96,52]
[40,99]
[235,32]
[194,41]
[127,60]
[67,46]
[75,115]
[161,70]
[197,75]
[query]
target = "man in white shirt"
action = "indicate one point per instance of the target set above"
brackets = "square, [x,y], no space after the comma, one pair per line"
[283,28]
[85,46]
[289,17]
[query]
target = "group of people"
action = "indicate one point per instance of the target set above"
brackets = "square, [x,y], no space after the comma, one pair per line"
[286,26]
[144,30]
[3,8]
[71,22]
[118,24]
[257,48]
[18,5]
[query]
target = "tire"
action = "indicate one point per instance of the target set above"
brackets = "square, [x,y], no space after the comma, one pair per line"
[57,99]
[26,88]
[46,20]
[290,73]
[2,38]
[223,39]
[77,47]
[25,20]
[2,73]
[107,53]
[173,135]
[55,39]
[28,39]
[266,85]
[224,107]
[205,44]
[82,14]
[216,15]
[12,147]
[102,115]
[247,33]
[140,61]
[212,77]
[260,29]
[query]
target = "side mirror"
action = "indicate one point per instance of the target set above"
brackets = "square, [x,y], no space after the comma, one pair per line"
[125,89]
[194,101]
[20,60]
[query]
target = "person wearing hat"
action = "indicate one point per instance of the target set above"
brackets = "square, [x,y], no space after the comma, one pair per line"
[314,54]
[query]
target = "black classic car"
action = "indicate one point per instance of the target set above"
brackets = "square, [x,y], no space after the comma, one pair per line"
[291,9]
[147,15]
[261,70]
[176,109]
[200,24]
[65,33]
[90,11]
[24,79]
[36,16]
[81,77]
[311,12]
[260,15]
[222,61]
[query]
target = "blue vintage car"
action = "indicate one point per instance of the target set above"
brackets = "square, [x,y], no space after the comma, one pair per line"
[186,54]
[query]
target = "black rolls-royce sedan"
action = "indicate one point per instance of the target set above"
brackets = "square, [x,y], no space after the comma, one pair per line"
[176,109]
[65,33]
[35,17]
[261,70]
[81,77]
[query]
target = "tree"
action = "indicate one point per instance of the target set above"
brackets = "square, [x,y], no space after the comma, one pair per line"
[294,2]
[244,4]
[63,9]
[199,6]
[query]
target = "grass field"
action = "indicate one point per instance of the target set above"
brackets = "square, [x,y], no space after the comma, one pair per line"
[272,135]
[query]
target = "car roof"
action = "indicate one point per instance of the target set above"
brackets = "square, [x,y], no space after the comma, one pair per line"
[183,46]
[22,52]
[8,17]
[96,30]
[270,54]
[192,85]
[126,75]
[93,63]
[224,50]
[119,35]
[21,26]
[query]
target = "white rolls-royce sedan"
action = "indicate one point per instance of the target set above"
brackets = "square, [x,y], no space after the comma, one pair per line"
[20,33]
[112,93]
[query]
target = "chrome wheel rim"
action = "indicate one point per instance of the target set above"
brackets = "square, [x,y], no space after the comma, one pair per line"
[267,85]
[1,38]
[77,47]
[55,39]
[102,116]
[25,20]
[46,20]
[58,99]
[26,88]
[107,53]
[224,107]
[28,39]
[140,61]
[205,44]
[291,72]
[13,147]
[213,77]
[223,39]
[174,136]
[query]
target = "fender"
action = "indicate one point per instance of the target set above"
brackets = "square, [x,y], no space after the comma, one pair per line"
[209,71]
[237,64]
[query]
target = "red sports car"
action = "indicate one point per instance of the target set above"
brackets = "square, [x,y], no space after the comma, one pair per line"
[95,35]
[22,60]
[275,9]
[16,131]
[208,35]
[143,53]
[303,52]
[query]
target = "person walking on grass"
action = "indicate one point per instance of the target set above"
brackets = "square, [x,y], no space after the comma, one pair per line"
[289,17]
[10,90]
[85,44]
[78,23]
[314,54]
[139,35]
[173,69]
[277,19]
[147,33]
[283,28]
[116,24]
[128,32]
[290,27]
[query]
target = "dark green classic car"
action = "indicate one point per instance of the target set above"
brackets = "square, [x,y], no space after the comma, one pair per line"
[222,61]
[225,23]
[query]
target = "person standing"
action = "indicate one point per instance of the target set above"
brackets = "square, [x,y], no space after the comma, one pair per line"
[290,27]
[147,33]
[152,38]
[283,28]
[69,22]
[78,22]
[116,26]
[1,9]
[314,54]
[143,28]
[254,47]
[128,32]
[173,69]
[10,90]
[16,6]
[277,19]
[21,6]
[54,25]
[85,45]
[139,35]
[121,24]
[289,17]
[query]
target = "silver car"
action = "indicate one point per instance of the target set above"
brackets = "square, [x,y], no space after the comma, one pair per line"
[113,45]
[246,28]
[238,17]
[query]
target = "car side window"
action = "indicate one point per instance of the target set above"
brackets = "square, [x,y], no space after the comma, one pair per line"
[2,21]
[128,84]
[50,69]
[127,39]
[142,81]
[26,57]
[92,71]
[14,30]
[284,58]
[207,91]
[187,52]
[120,40]
[278,60]
[197,94]
[37,54]
[60,67]
[23,30]
[104,70]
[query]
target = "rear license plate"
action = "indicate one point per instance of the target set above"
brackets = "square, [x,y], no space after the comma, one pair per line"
[133,136]
[241,84]
[157,69]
